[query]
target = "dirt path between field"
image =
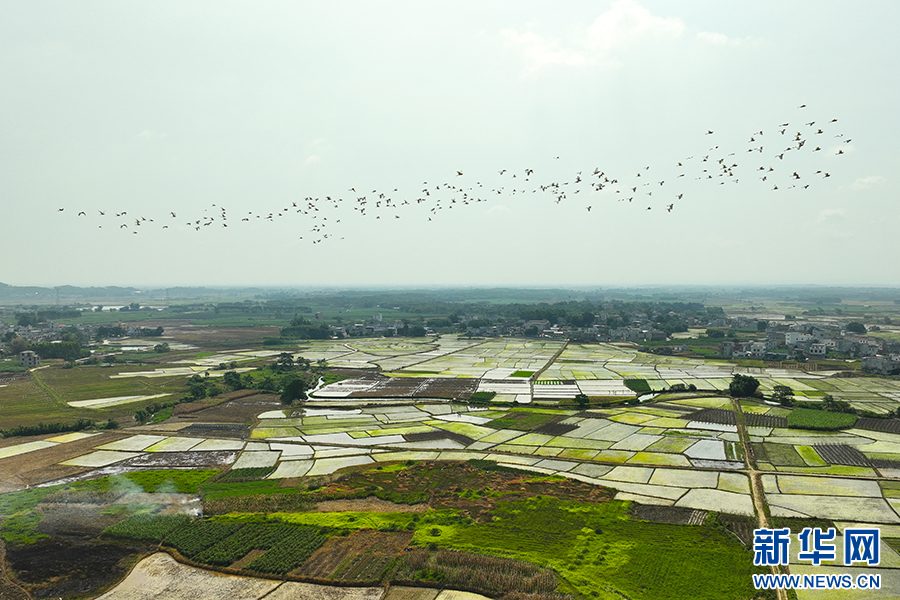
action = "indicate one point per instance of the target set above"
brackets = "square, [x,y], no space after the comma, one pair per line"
[757,491]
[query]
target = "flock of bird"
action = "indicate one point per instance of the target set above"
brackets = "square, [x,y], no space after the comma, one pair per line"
[767,156]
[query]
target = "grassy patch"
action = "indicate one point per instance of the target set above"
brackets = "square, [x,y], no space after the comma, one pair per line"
[597,548]
[805,418]
[248,474]
[522,374]
[20,528]
[638,386]
[522,420]
[784,455]
[147,527]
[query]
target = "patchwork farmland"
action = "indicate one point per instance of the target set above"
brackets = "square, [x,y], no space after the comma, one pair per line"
[407,451]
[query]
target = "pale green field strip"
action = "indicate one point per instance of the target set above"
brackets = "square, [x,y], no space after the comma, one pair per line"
[291,450]
[574,443]
[614,456]
[215,445]
[827,486]
[462,418]
[345,440]
[274,414]
[501,436]
[613,432]
[402,430]
[291,468]
[841,508]
[810,456]
[406,455]
[718,501]
[174,444]
[671,445]
[263,433]
[176,371]
[25,448]
[344,388]
[831,470]
[632,418]
[880,447]
[250,460]
[134,443]
[707,450]
[99,458]
[514,448]
[658,459]
[461,456]
[105,402]
[636,441]
[322,452]
[705,402]
[533,439]
[71,437]
[578,453]
[438,444]
[286,422]
[711,427]
[475,432]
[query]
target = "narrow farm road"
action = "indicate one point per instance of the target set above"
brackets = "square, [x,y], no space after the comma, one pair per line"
[756,487]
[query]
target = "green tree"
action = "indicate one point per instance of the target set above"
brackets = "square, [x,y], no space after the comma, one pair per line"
[743,386]
[164,347]
[294,389]
[856,327]
[197,389]
[285,362]
[582,401]
[233,380]
[784,395]
[17,345]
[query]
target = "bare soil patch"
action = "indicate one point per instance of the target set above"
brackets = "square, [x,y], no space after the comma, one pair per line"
[362,556]
[239,410]
[249,558]
[371,504]
[59,567]
[400,592]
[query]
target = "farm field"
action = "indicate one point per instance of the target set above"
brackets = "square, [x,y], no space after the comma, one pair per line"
[675,452]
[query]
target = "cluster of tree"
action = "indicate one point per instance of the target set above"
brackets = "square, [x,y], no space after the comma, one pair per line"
[65,350]
[147,332]
[30,319]
[743,386]
[56,427]
[131,307]
[304,329]
[287,376]
[856,327]
[110,331]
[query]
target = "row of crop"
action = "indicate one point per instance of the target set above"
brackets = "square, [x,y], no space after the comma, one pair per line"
[290,552]
[143,526]
[253,536]
[194,539]
[221,543]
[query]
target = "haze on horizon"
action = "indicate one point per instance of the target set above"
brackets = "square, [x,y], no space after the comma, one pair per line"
[171,107]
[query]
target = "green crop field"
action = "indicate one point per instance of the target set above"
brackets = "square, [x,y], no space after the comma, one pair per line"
[805,418]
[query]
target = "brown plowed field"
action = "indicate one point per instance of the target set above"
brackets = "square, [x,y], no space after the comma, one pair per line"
[362,556]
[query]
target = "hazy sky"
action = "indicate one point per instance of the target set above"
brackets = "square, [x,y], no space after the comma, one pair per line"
[154,108]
